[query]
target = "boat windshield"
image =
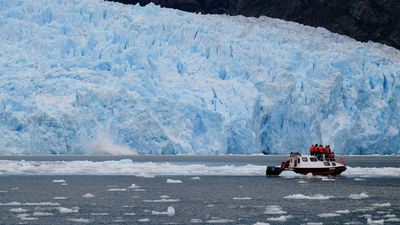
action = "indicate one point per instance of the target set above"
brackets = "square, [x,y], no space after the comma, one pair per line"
[313,159]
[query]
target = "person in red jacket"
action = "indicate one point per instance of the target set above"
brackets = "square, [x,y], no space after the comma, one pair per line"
[320,152]
[327,151]
[312,150]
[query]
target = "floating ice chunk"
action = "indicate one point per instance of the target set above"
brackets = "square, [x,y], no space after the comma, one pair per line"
[359,196]
[313,197]
[196,220]
[274,209]
[42,214]
[393,220]
[29,218]
[130,214]
[11,203]
[327,179]
[345,211]
[22,215]
[164,196]
[170,212]
[328,215]
[79,220]
[302,182]
[162,200]
[59,181]
[280,218]
[67,210]
[387,204]
[133,186]
[375,222]
[60,198]
[88,195]
[116,189]
[99,214]
[171,181]
[18,210]
[220,221]
[144,220]
[41,204]
[390,216]
[314,223]
[360,179]
[139,189]
[261,223]
[241,198]
[195,178]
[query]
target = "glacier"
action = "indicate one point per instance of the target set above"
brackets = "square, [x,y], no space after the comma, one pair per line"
[81,74]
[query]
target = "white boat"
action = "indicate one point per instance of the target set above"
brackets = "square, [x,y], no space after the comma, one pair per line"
[305,164]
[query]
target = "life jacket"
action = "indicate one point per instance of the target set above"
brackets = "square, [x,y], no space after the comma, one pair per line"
[312,149]
[321,149]
[327,150]
[332,155]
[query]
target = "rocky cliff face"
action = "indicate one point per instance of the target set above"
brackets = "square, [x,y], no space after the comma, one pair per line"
[364,20]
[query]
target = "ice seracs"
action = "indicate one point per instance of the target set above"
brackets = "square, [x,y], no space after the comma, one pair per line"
[161,81]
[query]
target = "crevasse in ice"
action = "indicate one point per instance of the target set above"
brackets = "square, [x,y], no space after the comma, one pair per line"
[162,81]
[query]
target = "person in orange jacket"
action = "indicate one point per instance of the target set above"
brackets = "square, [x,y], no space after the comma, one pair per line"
[320,152]
[327,151]
[312,150]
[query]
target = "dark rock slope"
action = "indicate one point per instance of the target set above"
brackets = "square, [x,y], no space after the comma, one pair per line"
[376,20]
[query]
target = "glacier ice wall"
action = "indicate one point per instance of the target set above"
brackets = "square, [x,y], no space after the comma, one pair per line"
[161,81]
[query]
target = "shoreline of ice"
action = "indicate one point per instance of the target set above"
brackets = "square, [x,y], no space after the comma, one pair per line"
[144,169]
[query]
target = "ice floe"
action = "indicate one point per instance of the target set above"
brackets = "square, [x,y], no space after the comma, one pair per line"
[128,167]
[161,200]
[68,210]
[345,211]
[60,198]
[274,209]
[328,215]
[375,222]
[79,220]
[170,212]
[172,181]
[59,181]
[18,210]
[220,221]
[241,198]
[312,197]
[359,196]
[280,218]
[133,186]
[116,189]
[88,195]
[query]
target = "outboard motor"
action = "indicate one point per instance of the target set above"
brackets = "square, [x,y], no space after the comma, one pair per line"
[273,170]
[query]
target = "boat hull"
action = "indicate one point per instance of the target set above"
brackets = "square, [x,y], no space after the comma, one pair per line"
[324,171]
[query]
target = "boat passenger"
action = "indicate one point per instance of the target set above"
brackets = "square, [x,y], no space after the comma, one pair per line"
[320,152]
[312,150]
[332,156]
[327,151]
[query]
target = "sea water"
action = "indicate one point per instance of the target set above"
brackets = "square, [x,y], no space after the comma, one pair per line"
[98,190]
